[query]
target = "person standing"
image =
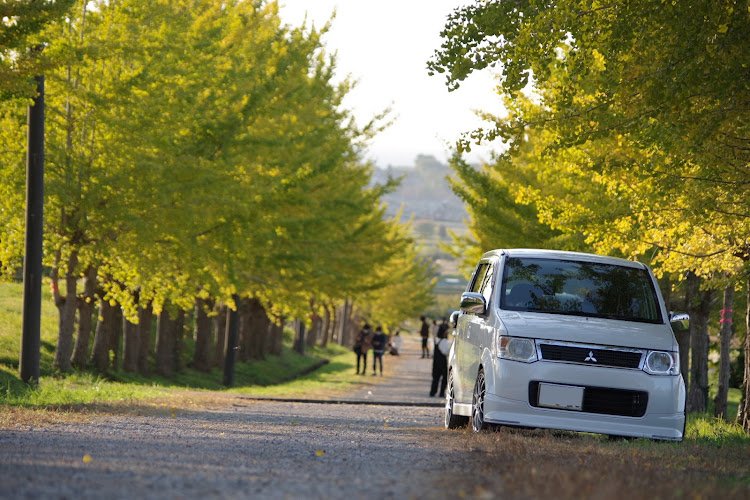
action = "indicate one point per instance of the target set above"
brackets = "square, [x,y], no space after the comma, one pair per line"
[424,332]
[379,341]
[361,346]
[433,340]
[440,360]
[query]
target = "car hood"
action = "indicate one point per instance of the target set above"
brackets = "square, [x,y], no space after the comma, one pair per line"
[588,330]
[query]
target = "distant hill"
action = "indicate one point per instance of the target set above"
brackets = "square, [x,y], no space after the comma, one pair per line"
[424,191]
[426,196]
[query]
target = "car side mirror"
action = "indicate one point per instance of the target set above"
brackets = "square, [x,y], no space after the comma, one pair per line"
[472,302]
[454,319]
[680,322]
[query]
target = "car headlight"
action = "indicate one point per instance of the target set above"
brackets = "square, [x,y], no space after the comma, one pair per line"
[662,363]
[516,349]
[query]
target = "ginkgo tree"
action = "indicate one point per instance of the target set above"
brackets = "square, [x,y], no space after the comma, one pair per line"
[22,53]
[198,151]
[643,101]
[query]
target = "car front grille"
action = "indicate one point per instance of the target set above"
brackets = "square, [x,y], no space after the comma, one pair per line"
[604,400]
[590,355]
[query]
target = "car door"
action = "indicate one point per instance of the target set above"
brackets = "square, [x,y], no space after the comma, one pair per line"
[469,327]
[479,333]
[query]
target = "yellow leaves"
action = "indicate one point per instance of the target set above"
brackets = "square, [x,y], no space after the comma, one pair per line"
[599,64]
[723,28]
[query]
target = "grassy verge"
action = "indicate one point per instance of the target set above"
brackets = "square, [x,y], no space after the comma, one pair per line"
[80,395]
[321,373]
[542,464]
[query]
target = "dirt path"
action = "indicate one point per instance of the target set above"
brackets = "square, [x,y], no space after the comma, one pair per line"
[383,441]
[268,449]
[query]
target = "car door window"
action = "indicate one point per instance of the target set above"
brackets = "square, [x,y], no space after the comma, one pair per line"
[486,287]
[479,275]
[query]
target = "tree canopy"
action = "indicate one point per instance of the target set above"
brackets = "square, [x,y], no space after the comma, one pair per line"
[21,46]
[200,149]
[645,101]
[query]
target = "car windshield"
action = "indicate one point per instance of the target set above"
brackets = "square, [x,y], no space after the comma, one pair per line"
[579,288]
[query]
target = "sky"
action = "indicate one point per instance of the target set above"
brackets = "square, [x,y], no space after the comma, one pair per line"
[385,46]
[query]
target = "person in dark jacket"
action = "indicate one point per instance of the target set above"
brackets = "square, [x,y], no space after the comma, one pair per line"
[440,360]
[424,332]
[361,346]
[379,343]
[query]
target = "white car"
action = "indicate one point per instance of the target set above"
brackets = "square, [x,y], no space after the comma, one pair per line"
[565,340]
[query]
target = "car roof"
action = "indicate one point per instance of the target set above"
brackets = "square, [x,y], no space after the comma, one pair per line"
[562,255]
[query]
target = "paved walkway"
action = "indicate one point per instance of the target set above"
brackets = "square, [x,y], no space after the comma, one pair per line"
[406,378]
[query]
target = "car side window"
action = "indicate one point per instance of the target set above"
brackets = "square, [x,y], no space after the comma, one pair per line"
[486,288]
[479,276]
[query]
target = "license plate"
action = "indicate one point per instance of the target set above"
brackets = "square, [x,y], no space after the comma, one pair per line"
[568,397]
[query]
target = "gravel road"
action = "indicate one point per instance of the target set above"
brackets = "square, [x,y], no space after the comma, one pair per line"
[387,441]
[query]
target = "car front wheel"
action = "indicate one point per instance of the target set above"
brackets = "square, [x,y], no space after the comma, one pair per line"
[452,421]
[477,404]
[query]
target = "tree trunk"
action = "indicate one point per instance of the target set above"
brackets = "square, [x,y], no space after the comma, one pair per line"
[697,400]
[115,337]
[276,332]
[245,330]
[259,328]
[102,336]
[220,329]
[725,338]
[67,316]
[202,335]
[179,340]
[335,321]
[131,346]
[145,321]
[743,412]
[299,337]
[683,336]
[666,290]
[347,333]
[313,334]
[342,315]
[86,307]
[165,344]
[326,328]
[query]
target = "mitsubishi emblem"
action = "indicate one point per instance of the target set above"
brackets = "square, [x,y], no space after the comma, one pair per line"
[590,357]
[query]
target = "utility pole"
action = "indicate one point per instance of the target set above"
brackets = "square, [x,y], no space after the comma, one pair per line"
[32,263]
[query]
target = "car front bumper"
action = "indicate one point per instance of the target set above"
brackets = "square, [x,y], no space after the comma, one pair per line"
[510,399]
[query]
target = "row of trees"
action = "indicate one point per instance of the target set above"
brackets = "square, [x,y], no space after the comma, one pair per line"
[627,133]
[197,150]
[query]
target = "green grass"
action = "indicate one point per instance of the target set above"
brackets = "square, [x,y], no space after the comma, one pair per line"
[705,429]
[11,325]
[276,376]
[282,376]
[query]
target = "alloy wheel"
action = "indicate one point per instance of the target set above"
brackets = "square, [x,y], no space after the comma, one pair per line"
[477,404]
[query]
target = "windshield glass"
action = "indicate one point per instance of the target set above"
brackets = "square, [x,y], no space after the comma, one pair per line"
[580,288]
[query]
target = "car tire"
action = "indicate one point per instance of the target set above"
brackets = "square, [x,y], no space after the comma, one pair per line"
[477,404]
[452,421]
